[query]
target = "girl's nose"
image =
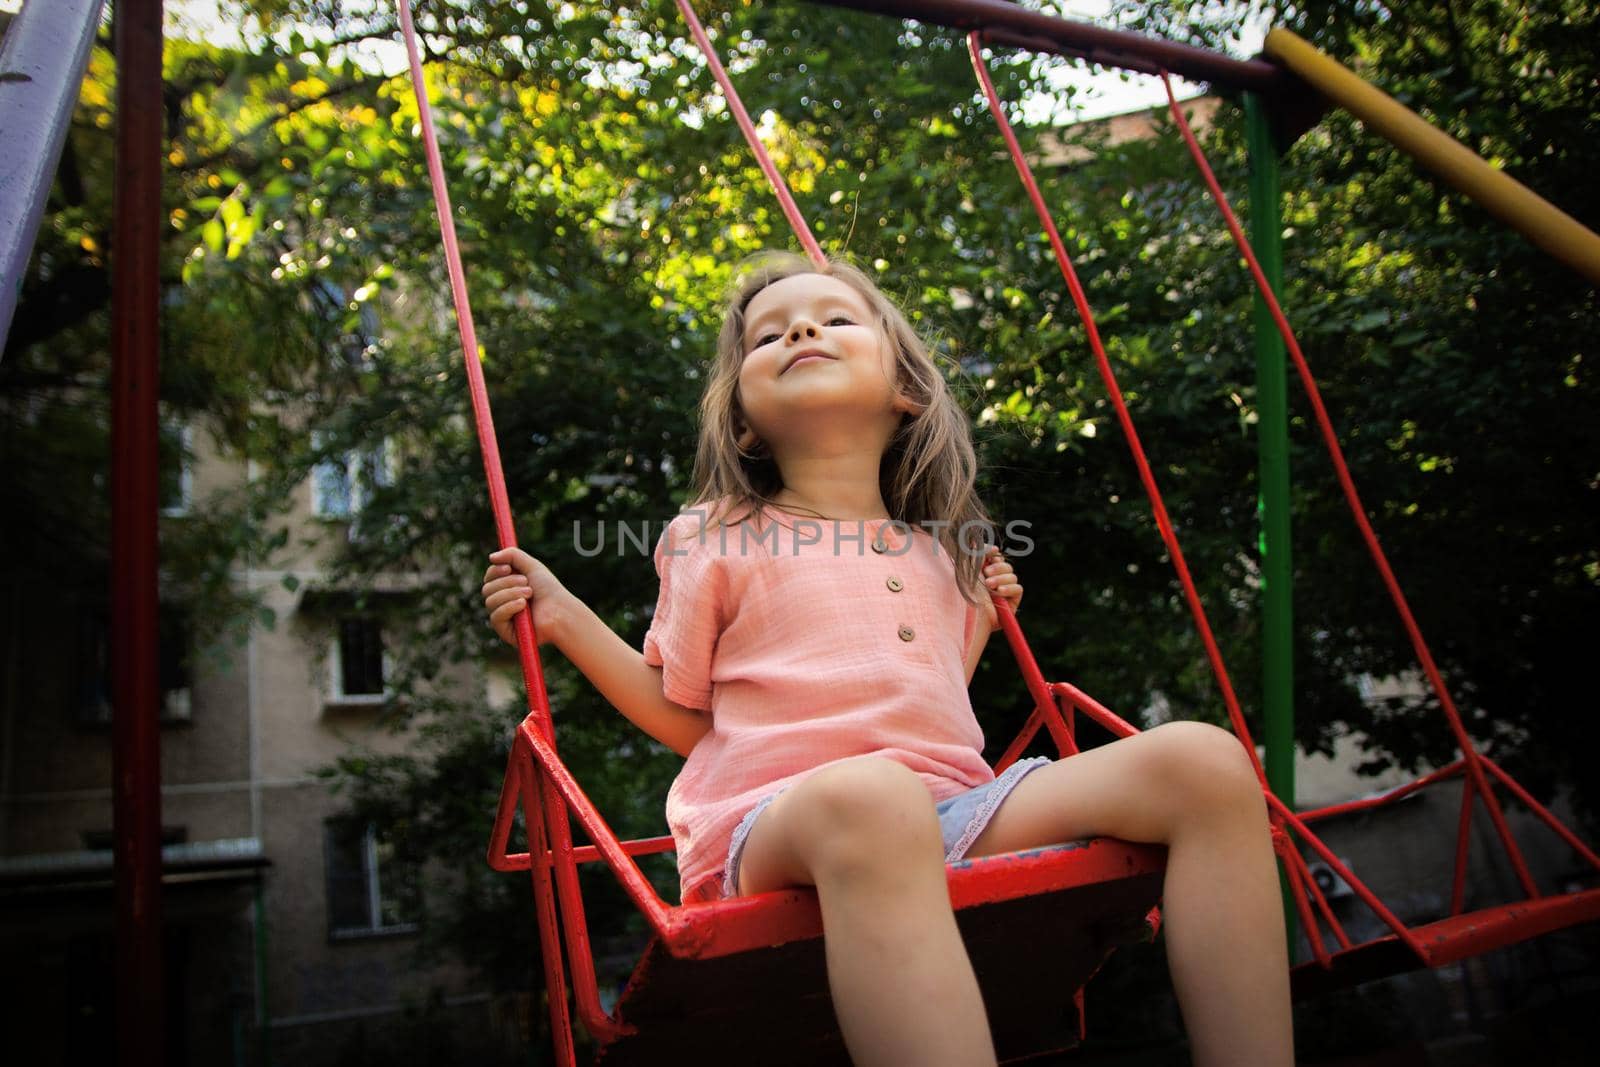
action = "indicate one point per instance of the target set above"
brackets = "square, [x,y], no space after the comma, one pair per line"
[806,329]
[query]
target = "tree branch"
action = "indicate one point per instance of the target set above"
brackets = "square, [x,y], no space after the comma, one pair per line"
[236,149]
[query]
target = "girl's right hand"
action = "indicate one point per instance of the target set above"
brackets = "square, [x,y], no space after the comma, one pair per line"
[514,578]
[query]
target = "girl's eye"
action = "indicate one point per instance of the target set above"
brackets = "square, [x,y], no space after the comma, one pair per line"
[766,339]
[841,320]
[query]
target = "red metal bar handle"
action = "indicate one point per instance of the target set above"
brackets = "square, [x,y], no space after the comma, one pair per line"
[1545,814]
[1398,793]
[1308,919]
[634,883]
[472,359]
[544,907]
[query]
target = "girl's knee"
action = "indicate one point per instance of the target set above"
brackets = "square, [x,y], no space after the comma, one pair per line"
[1206,764]
[862,811]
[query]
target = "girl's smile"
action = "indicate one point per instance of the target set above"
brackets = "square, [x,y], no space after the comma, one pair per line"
[809,355]
[800,323]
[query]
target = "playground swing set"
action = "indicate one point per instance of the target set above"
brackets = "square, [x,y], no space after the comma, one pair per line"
[1038,923]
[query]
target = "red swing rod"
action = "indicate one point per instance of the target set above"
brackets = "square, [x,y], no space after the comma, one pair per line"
[1169,537]
[1124,419]
[1473,762]
[554,821]
[780,188]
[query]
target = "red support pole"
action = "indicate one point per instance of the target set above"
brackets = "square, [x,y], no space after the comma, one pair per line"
[135,313]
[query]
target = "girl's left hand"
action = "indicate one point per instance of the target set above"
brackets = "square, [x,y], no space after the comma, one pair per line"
[1001,581]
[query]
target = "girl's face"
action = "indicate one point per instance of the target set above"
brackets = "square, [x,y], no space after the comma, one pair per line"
[815,358]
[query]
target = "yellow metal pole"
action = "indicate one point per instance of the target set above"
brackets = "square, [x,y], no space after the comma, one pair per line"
[1500,194]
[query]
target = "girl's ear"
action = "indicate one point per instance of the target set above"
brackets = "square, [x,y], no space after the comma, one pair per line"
[742,434]
[905,404]
[746,439]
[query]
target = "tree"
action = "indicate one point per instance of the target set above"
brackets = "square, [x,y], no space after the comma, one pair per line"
[603,201]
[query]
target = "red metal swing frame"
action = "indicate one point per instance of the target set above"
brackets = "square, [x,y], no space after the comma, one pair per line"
[1459,935]
[538,782]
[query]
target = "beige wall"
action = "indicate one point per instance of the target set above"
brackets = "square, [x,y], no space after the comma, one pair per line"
[261,724]
[59,766]
[309,974]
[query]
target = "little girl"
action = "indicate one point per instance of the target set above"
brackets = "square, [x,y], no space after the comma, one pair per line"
[820,616]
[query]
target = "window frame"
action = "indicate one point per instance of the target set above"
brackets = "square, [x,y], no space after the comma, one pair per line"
[372,884]
[351,465]
[335,695]
[184,434]
[94,706]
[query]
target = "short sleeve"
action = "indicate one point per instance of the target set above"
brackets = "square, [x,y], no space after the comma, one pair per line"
[690,608]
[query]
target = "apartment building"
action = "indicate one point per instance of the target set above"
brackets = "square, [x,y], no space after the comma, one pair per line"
[289,929]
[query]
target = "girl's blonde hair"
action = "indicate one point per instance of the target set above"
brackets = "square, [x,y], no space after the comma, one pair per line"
[928,470]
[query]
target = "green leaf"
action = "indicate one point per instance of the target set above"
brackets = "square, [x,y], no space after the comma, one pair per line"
[243,230]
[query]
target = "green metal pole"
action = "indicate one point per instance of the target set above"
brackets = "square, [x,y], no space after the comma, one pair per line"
[1272,428]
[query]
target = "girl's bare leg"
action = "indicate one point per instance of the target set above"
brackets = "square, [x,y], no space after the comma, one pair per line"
[1191,787]
[864,832]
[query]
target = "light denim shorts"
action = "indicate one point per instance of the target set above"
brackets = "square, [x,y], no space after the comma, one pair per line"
[961,818]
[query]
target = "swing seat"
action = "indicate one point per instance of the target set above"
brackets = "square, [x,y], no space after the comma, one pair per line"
[1447,941]
[1037,924]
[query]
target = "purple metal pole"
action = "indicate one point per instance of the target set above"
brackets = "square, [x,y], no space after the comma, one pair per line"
[41,66]
[135,311]
[1007,23]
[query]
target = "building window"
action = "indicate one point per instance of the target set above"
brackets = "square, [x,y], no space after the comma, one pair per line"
[177,470]
[359,664]
[342,484]
[370,891]
[176,654]
[174,670]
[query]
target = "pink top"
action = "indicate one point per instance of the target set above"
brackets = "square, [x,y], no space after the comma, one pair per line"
[807,646]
